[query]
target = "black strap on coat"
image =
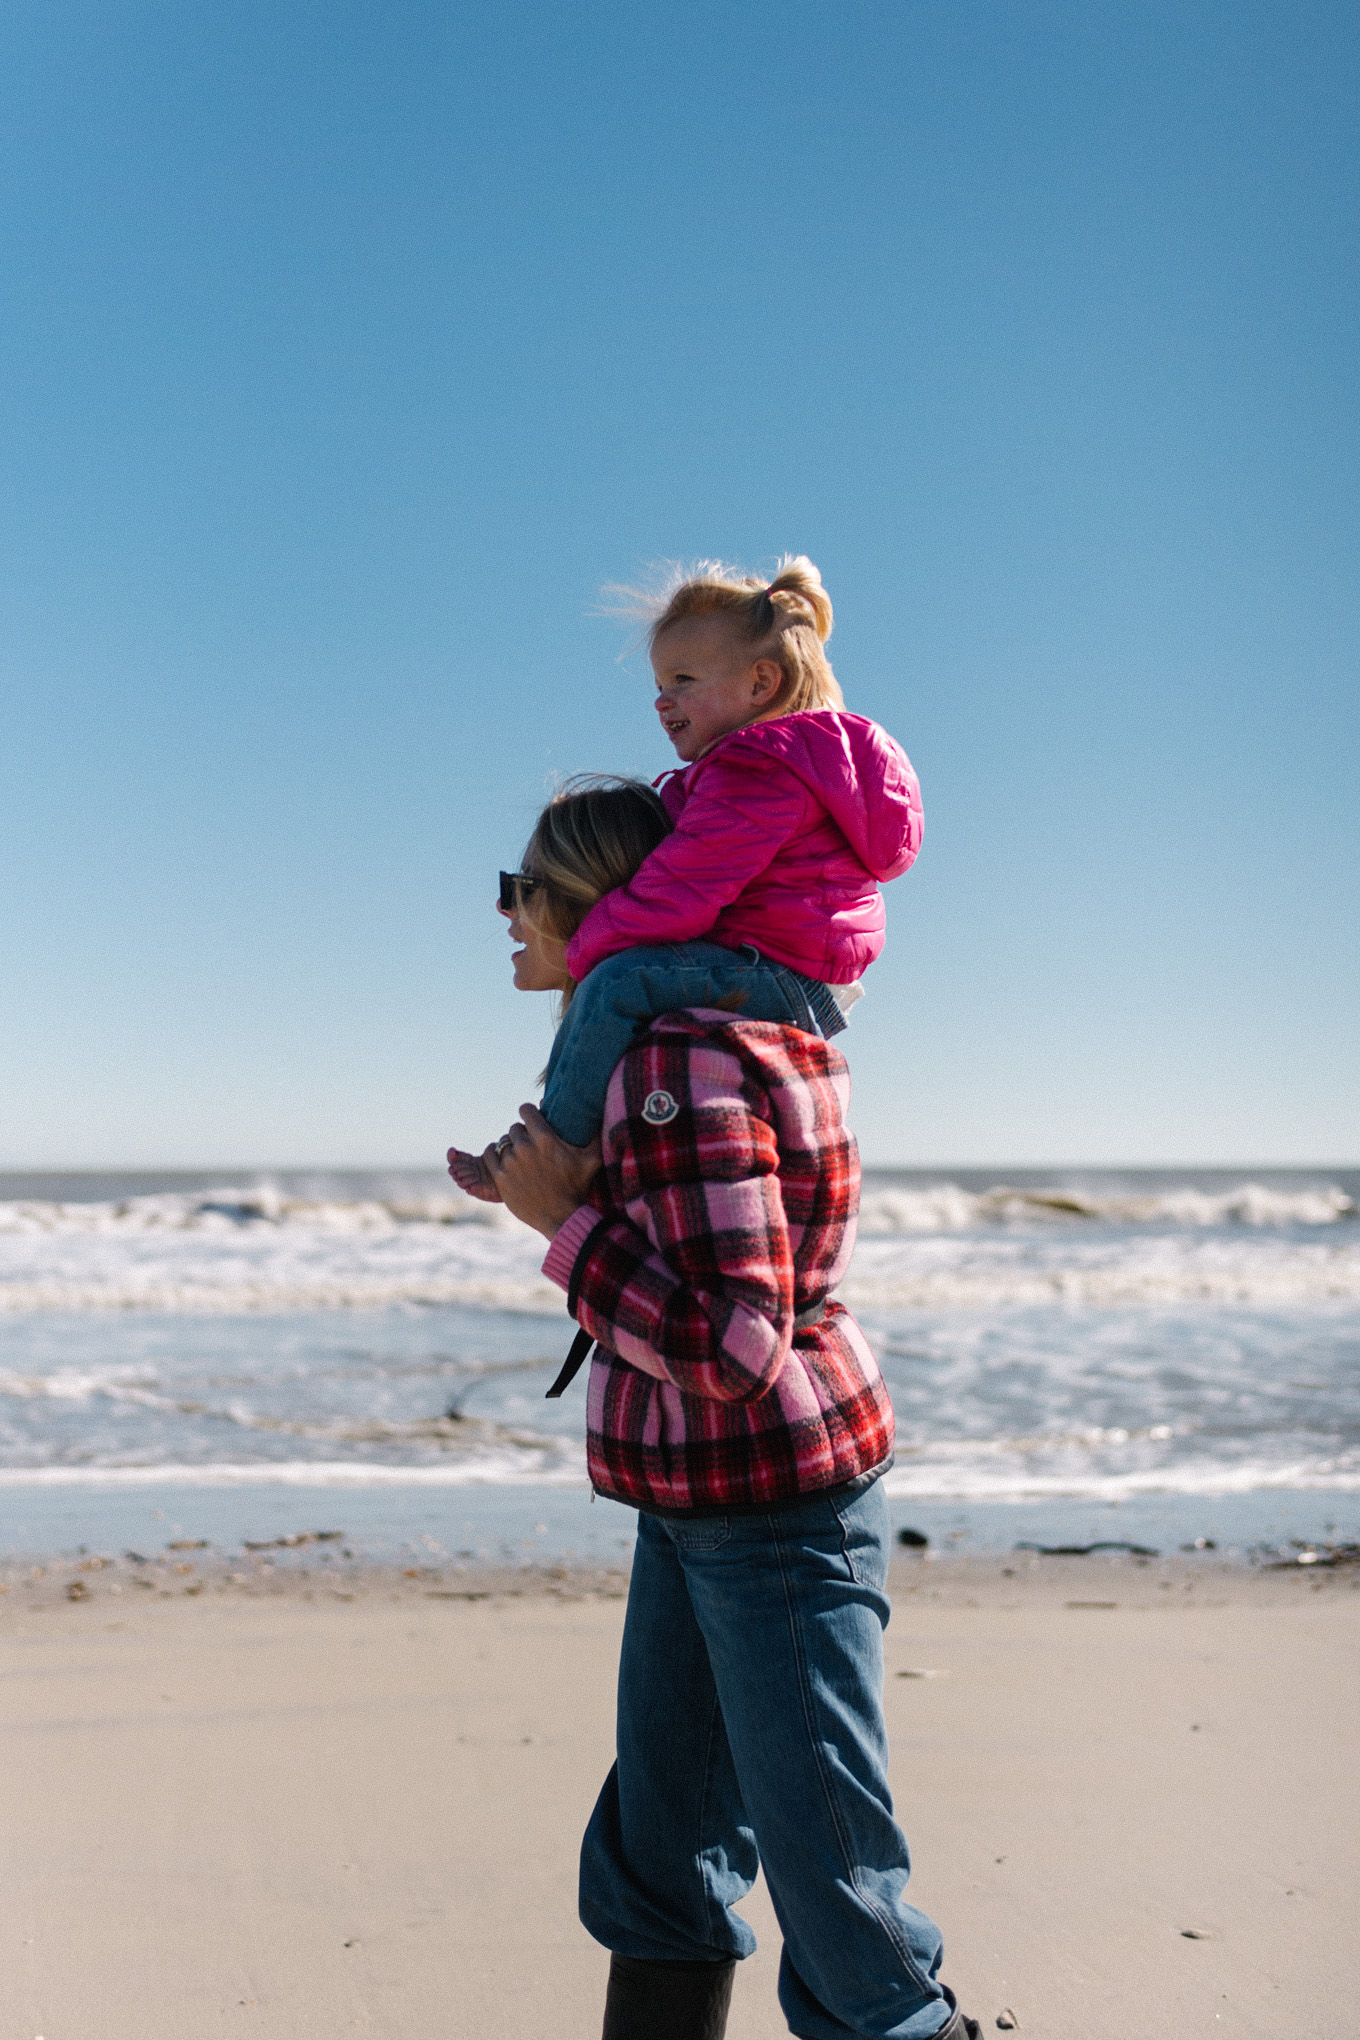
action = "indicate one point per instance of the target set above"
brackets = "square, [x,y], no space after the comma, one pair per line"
[572,1365]
[582,1343]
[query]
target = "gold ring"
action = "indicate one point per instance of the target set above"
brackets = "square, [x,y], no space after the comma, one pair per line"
[502,1144]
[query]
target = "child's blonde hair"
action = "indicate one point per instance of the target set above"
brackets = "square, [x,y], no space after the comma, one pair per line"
[787,619]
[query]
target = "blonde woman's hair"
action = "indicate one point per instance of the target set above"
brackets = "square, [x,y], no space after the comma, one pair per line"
[589,840]
[787,619]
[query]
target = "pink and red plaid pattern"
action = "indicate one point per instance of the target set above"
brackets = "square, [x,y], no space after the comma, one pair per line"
[726,1209]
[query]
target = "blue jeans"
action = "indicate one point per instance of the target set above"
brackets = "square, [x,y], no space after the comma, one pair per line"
[624,992]
[750,1732]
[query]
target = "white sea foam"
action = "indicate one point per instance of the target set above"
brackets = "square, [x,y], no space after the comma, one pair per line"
[891,1277]
[273,1291]
[141,1388]
[959,1476]
[225,1212]
[947,1208]
[246,1251]
[545,1464]
[1290,1279]
[942,1473]
[939,1208]
[1102,1342]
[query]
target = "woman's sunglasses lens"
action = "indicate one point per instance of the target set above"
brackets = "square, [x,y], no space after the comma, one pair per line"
[514,884]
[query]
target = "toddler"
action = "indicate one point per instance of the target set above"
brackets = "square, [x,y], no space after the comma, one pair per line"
[787,812]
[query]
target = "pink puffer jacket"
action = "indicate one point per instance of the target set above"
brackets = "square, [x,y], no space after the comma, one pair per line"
[782,832]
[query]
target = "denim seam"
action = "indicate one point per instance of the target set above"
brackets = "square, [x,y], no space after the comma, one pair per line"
[709,1904]
[927,1987]
[822,1005]
[846,1552]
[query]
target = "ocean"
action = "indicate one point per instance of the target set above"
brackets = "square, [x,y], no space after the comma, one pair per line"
[231,1352]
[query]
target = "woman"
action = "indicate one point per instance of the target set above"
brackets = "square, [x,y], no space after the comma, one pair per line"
[743,1415]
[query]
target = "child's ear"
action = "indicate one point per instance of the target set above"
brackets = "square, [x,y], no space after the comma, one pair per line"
[767,679]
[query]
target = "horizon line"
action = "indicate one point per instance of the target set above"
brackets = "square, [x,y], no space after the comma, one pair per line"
[379,1168]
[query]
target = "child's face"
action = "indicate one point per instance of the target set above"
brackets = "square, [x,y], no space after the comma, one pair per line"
[707,683]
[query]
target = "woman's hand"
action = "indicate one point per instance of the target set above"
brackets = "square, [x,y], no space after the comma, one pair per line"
[537,1176]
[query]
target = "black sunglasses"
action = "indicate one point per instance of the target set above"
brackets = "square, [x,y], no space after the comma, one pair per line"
[514,885]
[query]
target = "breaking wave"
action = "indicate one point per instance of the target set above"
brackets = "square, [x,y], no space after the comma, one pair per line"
[264,1250]
[224,1213]
[939,1208]
[1185,1274]
[1103,1337]
[285,1291]
[947,1208]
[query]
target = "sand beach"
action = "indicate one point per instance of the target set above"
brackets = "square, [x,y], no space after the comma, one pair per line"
[277,1801]
[308,1626]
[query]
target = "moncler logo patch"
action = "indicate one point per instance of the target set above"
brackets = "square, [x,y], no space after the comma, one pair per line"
[659,1108]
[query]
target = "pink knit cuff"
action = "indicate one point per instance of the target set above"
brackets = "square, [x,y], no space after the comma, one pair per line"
[567,1243]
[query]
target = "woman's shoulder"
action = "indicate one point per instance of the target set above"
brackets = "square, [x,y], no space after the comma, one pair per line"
[705,1060]
[698,1032]
[705,1097]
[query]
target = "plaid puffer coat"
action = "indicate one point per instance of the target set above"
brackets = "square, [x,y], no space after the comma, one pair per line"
[724,1216]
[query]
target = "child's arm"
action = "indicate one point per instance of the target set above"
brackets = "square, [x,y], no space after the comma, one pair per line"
[737,817]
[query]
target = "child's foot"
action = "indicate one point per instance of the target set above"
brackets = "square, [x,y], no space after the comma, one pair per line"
[470,1173]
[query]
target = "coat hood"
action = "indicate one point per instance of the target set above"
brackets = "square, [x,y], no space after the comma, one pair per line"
[860,774]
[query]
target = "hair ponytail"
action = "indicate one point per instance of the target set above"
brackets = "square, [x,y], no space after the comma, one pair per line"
[799,580]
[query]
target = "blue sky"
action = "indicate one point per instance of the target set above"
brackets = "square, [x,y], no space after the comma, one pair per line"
[346,352]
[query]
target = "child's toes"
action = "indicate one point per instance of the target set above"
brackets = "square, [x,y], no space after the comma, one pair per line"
[471,1174]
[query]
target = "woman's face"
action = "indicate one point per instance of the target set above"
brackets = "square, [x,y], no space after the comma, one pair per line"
[541,964]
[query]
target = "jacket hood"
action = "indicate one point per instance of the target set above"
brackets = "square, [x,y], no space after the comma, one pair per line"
[860,774]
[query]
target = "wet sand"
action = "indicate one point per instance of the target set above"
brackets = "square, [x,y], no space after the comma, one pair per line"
[306,1800]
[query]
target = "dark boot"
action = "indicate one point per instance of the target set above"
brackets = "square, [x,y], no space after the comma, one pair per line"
[667,2000]
[958,2027]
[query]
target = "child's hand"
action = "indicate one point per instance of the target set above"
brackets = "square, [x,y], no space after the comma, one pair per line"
[471,1173]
